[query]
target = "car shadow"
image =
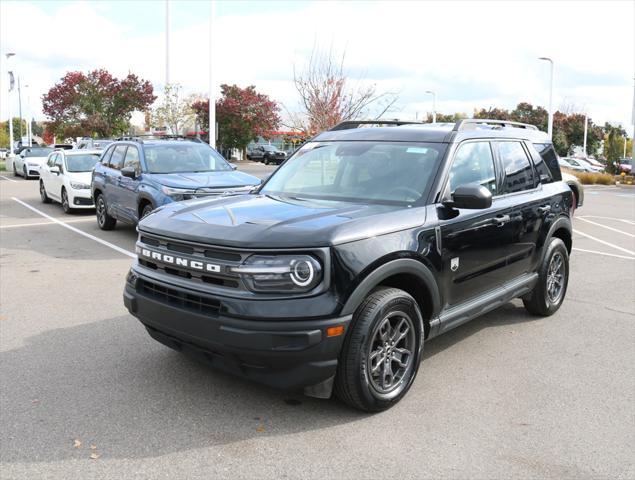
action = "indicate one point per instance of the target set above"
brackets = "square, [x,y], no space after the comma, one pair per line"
[109,384]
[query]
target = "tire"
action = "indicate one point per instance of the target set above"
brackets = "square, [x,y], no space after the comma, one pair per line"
[15,170]
[25,173]
[45,198]
[361,379]
[574,204]
[104,221]
[147,210]
[549,293]
[266,161]
[65,205]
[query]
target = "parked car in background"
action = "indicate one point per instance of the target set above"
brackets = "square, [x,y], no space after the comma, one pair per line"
[93,143]
[66,176]
[576,188]
[571,164]
[266,154]
[588,166]
[28,163]
[3,153]
[626,165]
[136,175]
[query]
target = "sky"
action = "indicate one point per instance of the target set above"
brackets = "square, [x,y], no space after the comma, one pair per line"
[472,54]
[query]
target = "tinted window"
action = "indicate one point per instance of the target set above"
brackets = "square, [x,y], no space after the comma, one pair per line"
[542,169]
[116,161]
[58,161]
[81,163]
[37,152]
[368,172]
[132,159]
[106,157]
[51,160]
[519,174]
[474,163]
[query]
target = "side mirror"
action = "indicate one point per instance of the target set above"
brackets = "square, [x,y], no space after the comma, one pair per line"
[234,167]
[129,172]
[55,170]
[471,196]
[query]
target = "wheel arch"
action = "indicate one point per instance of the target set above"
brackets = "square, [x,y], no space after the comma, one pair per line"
[407,274]
[563,230]
[142,201]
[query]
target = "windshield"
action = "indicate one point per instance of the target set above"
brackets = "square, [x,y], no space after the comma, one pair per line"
[369,172]
[269,148]
[37,152]
[183,158]
[81,163]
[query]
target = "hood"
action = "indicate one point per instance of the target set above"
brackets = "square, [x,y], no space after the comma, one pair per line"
[36,160]
[82,177]
[230,178]
[262,221]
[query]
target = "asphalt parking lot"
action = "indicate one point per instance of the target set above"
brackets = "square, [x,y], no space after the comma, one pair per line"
[505,396]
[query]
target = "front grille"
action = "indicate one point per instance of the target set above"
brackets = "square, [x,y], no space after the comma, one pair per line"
[177,298]
[220,257]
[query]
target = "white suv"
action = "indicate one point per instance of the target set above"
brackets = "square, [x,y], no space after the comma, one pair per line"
[66,177]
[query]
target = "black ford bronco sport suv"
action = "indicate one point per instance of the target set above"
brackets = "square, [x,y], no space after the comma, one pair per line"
[370,240]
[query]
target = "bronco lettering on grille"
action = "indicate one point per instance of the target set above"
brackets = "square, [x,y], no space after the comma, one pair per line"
[178,261]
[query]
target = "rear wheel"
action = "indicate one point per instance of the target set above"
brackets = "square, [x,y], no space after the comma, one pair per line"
[15,170]
[45,198]
[553,279]
[381,353]
[104,221]
[25,172]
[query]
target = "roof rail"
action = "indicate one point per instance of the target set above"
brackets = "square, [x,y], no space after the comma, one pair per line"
[472,123]
[350,124]
[157,136]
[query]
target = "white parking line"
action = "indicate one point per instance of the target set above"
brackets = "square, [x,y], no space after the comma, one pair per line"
[10,179]
[603,253]
[605,226]
[76,230]
[605,243]
[37,224]
[630,222]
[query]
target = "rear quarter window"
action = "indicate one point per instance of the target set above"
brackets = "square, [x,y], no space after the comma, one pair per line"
[550,157]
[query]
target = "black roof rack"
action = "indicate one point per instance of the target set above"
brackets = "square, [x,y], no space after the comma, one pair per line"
[350,124]
[473,123]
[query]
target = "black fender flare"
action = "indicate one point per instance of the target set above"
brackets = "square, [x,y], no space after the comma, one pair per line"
[388,269]
[145,197]
[560,222]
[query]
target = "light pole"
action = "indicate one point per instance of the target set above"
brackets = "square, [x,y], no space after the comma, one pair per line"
[9,55]
[29,117]
[586,122]
[434,105]
[167,42]
[212,101]
[550,124]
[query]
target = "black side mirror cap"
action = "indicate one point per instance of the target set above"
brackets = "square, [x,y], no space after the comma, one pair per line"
[471,196]
[129,172]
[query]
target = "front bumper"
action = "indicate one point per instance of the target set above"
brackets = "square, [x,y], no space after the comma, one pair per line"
[80,199]
[285,354]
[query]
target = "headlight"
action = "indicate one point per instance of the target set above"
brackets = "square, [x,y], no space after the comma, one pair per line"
[80,186]
[280,273]
[178,193]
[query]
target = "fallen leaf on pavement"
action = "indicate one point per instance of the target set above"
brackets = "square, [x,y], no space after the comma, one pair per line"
[95,456]
[260,428]
[93,447]
[77,443]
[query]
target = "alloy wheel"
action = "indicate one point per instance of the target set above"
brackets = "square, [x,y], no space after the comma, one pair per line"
[65,205]
[391,353]
[555,278]
[101,211]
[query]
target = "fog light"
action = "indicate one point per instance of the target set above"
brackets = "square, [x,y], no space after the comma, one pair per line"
[335,331]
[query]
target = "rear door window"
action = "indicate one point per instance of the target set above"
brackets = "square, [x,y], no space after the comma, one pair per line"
[116,161]
[519,174]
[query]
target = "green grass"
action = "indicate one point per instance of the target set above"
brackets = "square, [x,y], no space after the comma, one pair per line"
[3,166]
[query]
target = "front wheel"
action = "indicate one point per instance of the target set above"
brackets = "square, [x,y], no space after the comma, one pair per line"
[147,210]
[25,172]
[553,278]
[382,351]
[65,205]
[45,198]
[104,221]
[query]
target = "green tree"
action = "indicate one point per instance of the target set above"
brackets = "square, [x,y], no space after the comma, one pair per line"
[16,128]
[613,146]
[174,111]
[561,143]
[4,137]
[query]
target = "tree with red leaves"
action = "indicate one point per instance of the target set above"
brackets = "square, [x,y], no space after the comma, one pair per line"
[96,103]
[242,114]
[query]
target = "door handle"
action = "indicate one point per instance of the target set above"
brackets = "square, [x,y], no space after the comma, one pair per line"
[501,220]
[544,209]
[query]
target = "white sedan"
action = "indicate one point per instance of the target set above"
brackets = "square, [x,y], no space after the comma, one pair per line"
[66,177]
[30,160]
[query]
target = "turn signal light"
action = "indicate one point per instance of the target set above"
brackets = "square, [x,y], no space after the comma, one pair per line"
[335,331]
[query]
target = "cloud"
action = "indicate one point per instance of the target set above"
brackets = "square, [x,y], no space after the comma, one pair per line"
[473,54]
